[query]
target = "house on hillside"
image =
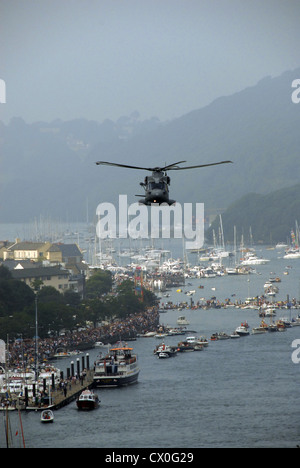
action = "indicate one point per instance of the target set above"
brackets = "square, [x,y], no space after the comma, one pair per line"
[50,276]
[45,255]
[35,251]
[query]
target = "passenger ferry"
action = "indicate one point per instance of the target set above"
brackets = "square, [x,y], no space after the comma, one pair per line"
[117,368]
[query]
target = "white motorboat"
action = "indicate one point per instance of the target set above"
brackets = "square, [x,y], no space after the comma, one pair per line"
[242,331]
[292,254]
[252,259]
[163,355]
[270,312]
[182,320]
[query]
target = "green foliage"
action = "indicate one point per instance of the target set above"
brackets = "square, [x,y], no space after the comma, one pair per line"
[57,311]
[270,217]
[99,284]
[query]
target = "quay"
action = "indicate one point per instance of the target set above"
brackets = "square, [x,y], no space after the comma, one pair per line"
[70,390]
[73,389]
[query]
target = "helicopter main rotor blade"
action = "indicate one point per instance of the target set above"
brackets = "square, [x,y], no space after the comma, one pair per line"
[105,163]
[169,166]
[201,165]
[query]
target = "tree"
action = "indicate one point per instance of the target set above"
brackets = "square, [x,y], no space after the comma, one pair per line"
[100,283]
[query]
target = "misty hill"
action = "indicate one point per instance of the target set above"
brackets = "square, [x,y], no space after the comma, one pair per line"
[49,168]
[267,218]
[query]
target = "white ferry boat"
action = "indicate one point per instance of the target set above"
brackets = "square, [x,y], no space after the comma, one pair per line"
[118,368]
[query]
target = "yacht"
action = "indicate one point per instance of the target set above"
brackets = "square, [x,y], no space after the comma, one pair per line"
[117,368]
[242,331]
[252,259]
[182,320]
[292,254]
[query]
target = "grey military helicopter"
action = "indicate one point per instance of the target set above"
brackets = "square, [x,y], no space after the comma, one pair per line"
[156,186]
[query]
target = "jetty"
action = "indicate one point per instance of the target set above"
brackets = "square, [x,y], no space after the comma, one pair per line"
[63,396]
[67,391]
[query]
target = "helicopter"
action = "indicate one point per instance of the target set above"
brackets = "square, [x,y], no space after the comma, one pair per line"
[156,186]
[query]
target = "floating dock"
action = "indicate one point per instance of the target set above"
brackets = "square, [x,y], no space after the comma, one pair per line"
[73,386]
[73,389]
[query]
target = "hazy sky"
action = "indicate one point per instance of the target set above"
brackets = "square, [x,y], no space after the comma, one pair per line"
[101,59]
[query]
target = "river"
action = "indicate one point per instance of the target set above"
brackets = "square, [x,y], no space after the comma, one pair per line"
[235,393]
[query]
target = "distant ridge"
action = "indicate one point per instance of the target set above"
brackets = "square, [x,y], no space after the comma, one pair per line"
[268,218]
[49,170]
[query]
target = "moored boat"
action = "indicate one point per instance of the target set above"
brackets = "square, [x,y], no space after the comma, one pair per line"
[163,355]
[223,336]
[119,367]
[234,335]
[259,330]
[242,331]
[185,347]
[166,349]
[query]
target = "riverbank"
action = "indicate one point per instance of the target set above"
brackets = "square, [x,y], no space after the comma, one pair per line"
[21,353]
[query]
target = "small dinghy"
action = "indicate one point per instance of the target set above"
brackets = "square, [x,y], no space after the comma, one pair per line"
[47,416]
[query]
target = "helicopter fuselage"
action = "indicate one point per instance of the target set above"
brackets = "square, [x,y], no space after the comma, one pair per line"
[156,189]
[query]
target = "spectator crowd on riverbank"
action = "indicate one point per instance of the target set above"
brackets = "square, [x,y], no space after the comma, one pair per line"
[24,350]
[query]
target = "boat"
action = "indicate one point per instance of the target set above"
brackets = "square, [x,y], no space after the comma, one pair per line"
[235,335]
[259,330]
[292,253]
[203,341]
[185,347]
[147,335]
[87,400]
[281,245]
[182,320]
[252,259]
[166,349]
[286,322]
[223,336]
[119,367]
[270,312]
[242,331]
[163,355]
[281,326]
[62,354]
[99,344]
[47,416]
[161,335]
[193,340]
[272,327]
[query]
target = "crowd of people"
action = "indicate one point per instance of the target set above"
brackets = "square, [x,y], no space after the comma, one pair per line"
[24,351]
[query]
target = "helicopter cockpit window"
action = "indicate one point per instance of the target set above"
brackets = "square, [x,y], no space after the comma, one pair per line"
[156,185]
